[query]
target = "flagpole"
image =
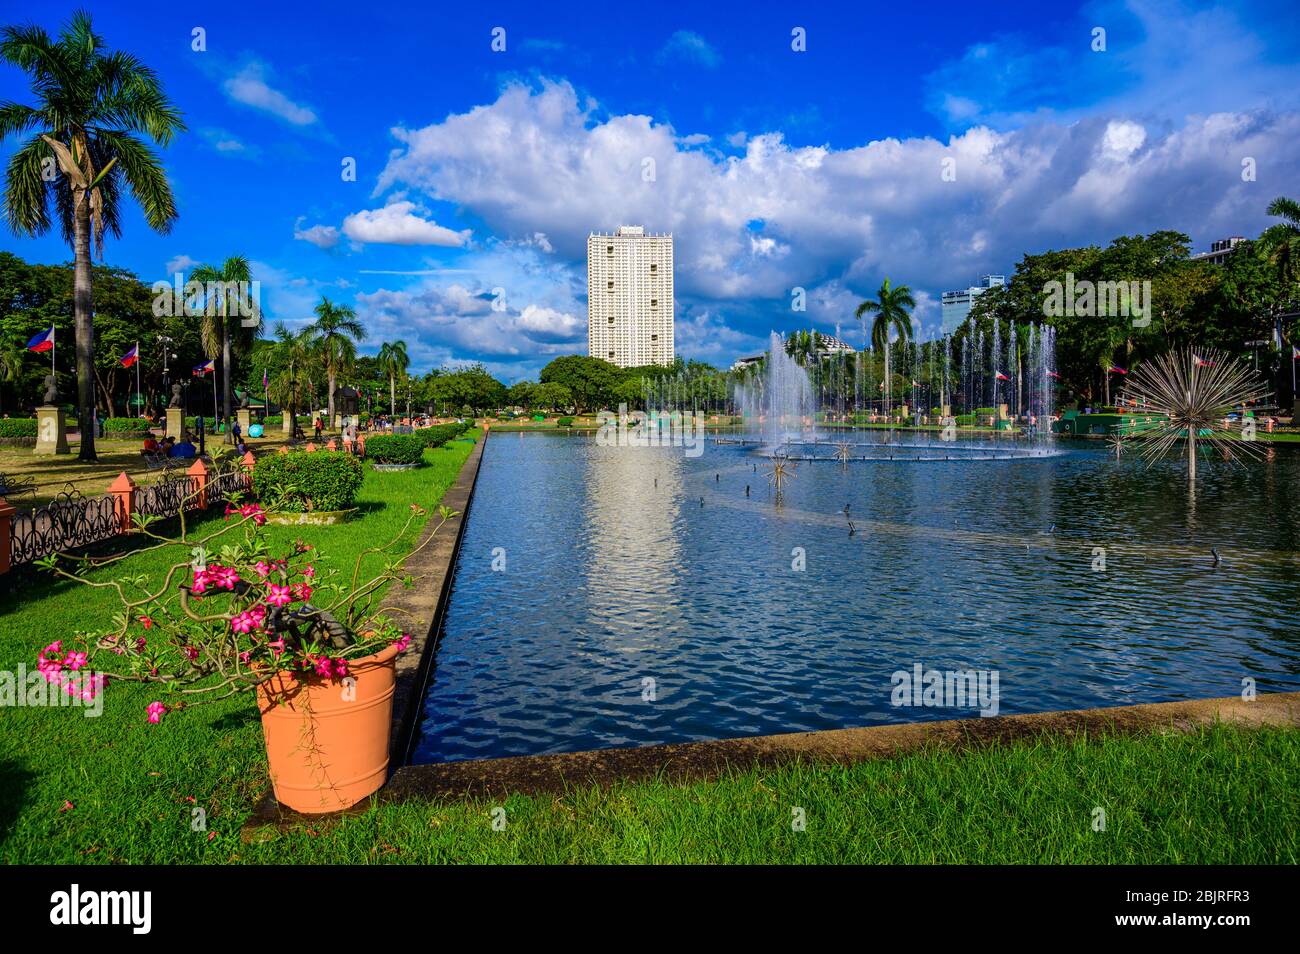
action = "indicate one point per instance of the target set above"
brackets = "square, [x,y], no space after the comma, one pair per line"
[139,408]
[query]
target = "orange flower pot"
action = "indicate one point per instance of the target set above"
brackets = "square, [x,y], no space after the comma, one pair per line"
[327,739]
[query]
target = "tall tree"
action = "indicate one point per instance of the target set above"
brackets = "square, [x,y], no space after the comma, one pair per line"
[890,311]
[393,361]
[336,332]
[91,104]
[294,354]
[228,306]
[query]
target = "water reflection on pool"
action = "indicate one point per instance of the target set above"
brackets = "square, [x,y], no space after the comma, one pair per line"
[645,598]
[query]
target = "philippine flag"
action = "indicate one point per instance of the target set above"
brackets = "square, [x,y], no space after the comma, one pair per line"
[131,357]
[1116,371]
[1201,362]
[1053,374]
[42,342]
[1002,377]
[1295,352]
[205,367]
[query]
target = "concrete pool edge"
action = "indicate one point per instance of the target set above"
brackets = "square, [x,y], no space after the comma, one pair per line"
[422,605]
[702,761]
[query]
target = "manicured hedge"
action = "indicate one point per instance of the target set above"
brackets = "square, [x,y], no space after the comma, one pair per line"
[564,422]
[300,481]
[130,425]
[395,449]
[438,434]
[18,427]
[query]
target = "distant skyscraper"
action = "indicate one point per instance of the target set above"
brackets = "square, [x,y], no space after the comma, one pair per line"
[630,297]
[957,304]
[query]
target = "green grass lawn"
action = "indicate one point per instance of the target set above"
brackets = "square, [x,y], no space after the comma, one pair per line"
[1221,796]
[132,786]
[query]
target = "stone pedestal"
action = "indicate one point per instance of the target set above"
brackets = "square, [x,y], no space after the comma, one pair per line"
[175,422]
[287,426]
[947,410]
[245,417]
[51,431]
[1002,412]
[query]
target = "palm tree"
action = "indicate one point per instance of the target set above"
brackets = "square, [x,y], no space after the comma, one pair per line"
[890,308]
[11,362]
[393,361]
[336,332]
[90,103]
[296,351]
[226,296]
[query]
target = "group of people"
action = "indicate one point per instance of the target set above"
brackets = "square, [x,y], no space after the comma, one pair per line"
[169,446]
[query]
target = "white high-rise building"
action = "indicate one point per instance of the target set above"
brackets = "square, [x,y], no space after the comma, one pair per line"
[630,297]
[956,305]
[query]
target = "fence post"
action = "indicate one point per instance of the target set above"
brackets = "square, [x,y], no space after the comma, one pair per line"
[311,446]
[199,471]
[123,488]
[331,444]
[249,462]
[7,511]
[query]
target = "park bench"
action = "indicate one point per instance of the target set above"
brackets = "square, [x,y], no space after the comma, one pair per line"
[159,461]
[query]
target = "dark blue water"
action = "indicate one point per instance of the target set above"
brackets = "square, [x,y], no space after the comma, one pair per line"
[611,580]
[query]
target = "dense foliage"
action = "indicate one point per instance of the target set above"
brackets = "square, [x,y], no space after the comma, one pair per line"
[395,449]
[302,481]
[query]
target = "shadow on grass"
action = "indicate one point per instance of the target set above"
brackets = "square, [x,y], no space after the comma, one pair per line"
[238,719]
[14,782]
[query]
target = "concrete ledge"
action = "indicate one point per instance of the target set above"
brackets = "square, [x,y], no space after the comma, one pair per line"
[694,761]
[419,610]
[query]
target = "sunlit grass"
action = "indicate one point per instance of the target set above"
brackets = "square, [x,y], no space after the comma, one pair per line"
[133,786]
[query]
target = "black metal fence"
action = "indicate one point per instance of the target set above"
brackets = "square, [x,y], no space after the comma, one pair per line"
[73,520]
[70,520]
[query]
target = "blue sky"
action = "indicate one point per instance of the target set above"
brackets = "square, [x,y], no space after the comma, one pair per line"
[480,170]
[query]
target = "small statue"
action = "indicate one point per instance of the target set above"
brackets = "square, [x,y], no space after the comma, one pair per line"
[244,401]
[51,390]
[176,396]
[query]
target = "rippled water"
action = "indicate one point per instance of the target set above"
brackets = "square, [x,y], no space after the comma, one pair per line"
[611,580]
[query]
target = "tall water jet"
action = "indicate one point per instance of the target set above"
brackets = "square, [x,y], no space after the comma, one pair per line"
[778,403]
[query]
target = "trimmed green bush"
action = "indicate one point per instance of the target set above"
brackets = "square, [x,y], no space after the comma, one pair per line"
[564,422]
[18,427]
[439,434]
[301,481]
[395,449]
[129,425]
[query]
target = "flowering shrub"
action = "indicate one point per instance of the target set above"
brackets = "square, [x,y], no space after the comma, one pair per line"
[302,481]
[230,615]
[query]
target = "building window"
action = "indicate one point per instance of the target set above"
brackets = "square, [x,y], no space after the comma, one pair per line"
[611,354]
[610,286]
[654,302]
[654,337]
[611,321]
[609,250]
[654,268]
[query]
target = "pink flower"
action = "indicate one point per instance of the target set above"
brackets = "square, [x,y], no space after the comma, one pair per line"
[245,656]
[253,511]
[191,652]
[278,595]
[404,643]
[74,661]
[229,511]
[201,579]
[139,645]
[323,667]
[223,576]
[156,711]
[67,806]
[340,668]
[302,592]
[148,623]
[277,646]
[244,622]
[309,571]
[263,569]
[54,647]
